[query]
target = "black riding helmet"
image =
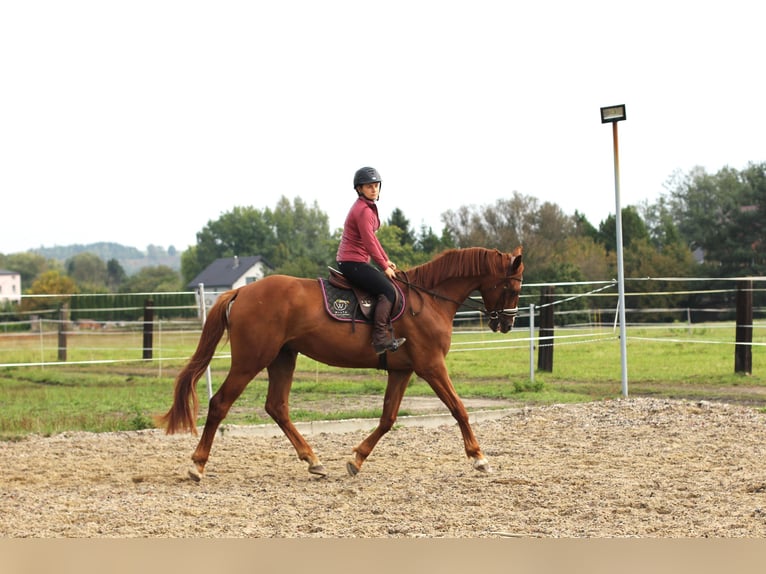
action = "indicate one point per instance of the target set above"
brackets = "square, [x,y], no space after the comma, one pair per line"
[367,175]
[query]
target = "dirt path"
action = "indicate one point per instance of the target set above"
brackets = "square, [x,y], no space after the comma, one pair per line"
[637,467]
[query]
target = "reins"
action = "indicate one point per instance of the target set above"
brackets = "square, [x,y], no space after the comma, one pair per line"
[475,306]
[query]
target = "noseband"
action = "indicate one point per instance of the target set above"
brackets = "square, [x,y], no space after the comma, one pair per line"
[510,313]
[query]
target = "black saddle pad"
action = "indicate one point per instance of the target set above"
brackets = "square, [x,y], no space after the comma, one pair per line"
[344,305]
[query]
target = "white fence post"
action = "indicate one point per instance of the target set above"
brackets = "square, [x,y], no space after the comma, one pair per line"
[203,313]
[532,342]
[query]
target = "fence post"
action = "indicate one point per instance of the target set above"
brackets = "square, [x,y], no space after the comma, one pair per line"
[743,350]
[148,328]
[203,315]
[532,342]
[545,352]
[63,319]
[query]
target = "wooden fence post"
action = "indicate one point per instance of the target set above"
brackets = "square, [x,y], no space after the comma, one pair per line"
[148,328]
[545,349]
[62,329]
[743,350]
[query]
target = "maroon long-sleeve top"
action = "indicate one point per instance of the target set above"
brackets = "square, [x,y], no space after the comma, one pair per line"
[359,242]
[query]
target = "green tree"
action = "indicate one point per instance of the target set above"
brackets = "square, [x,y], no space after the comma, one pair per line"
[115,275]
[539,228]
[584,227]
[428,243]
[294,238]
[633,229]
[722,215]
[89,271]
[303,246]
[242,231]
[397,219]
[47,284]
[153,279]
[30,266]
[643,260]
[390,237]
[191,264]
[661,227]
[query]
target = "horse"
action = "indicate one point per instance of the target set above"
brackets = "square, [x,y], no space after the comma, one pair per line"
[270,321]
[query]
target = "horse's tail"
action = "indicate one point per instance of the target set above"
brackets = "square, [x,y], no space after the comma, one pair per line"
[183,413]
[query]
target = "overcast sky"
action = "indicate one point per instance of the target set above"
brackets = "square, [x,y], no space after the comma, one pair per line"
[138,122]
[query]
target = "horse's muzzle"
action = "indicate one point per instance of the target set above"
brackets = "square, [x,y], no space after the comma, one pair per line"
[502,320]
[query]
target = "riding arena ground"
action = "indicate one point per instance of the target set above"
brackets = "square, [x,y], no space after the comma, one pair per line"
[638,467]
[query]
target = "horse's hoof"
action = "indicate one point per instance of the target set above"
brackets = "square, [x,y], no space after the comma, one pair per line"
[318,469]
[351,468]
[481,464]
[195,474]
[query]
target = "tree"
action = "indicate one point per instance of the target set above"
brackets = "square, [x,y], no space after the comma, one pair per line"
[398,219]
[722,215]
[541,229]
[303,247]
[584,227]
[241,231]
[663,231]
[191,264]
[428,243]
[30,266]
[390,237]
[294,238]
[155,279]
[115,275]
[48,283]
[633,229]
[89,271]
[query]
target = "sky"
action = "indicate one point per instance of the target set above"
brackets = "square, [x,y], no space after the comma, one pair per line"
[140,122]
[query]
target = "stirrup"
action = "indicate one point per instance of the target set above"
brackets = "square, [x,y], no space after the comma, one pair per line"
[391,345]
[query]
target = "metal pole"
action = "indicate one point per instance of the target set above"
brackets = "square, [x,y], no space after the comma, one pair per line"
[620,267]
[532,342]
[203,312]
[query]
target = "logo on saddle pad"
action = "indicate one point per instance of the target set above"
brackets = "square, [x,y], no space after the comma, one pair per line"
[343,307]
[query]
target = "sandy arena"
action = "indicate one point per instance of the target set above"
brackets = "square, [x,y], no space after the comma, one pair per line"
[623,468]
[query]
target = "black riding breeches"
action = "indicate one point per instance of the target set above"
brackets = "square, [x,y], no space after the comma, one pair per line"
[369,278]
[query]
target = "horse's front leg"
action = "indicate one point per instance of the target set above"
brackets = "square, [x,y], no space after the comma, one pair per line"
[281,372]
[397,384]
[440,382]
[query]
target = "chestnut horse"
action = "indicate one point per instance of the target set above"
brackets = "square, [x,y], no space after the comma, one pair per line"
[272,320]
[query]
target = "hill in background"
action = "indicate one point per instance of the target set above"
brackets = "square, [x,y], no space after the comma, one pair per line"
[131,258]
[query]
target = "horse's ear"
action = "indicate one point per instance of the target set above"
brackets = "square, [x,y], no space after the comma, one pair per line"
[517,258]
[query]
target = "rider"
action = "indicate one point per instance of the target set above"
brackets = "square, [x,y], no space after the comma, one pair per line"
[358,245]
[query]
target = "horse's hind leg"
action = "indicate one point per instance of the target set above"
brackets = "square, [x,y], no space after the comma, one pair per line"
[397,385]
[281,372]
[219,406]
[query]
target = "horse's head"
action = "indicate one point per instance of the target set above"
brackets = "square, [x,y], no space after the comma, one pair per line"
[501,293]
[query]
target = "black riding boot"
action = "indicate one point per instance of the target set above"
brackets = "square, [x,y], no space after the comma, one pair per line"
[382,331]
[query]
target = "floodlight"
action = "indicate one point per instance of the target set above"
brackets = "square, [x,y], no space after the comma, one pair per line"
[613,114]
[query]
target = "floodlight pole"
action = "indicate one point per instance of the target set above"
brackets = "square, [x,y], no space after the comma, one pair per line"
[614,115]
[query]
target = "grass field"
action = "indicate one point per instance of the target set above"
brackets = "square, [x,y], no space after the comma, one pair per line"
[106,386]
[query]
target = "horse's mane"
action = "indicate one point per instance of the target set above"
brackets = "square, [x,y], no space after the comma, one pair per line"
[467,262]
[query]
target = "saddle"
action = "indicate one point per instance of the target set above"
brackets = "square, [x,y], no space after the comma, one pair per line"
[346,302]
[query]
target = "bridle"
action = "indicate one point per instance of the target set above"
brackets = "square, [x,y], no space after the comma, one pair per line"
[494,314]
[509,312]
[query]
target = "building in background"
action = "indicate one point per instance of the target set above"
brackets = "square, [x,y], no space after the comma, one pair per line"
[228,273]
[10,286]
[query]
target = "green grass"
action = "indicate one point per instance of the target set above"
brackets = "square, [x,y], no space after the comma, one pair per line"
[677,362]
